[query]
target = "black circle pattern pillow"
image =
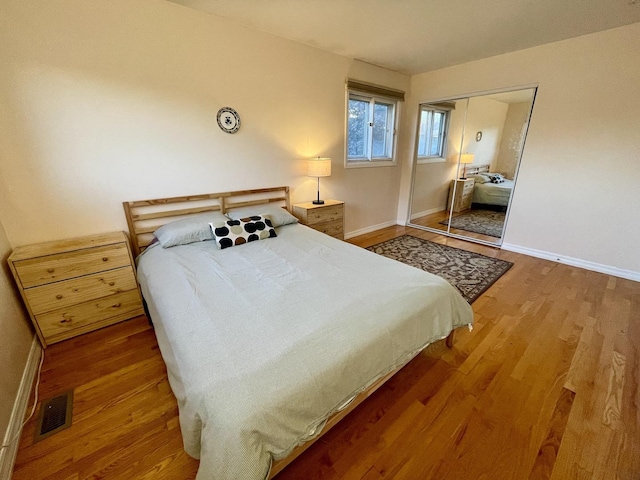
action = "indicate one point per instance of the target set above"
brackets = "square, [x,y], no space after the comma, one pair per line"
[237,232]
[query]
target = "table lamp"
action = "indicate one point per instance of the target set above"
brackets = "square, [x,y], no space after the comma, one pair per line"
[319,167]
[466,158]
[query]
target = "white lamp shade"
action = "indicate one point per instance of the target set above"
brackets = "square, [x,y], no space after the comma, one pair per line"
[319,167]
[466,158]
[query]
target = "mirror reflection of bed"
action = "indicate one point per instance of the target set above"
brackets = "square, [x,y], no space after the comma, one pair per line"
[463,185]
[484,218]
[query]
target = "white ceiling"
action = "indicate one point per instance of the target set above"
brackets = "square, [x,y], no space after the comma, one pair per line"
[414,36]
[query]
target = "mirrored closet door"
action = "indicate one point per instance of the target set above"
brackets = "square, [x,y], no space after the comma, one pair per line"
[466,163]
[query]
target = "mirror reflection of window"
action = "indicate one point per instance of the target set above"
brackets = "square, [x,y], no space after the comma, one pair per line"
[433,122]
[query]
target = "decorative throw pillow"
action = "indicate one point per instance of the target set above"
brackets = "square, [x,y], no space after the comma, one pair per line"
[496,178]
[243,230]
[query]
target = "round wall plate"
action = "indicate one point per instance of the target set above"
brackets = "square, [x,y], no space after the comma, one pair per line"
[228,120]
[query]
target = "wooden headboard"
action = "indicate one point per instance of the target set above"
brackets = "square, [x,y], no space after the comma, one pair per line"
[476,169]
[145,216]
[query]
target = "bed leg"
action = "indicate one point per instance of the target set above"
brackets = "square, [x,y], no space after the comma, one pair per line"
[449,340]
[146,312]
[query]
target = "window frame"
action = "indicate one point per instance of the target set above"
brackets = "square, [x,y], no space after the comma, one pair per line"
[442,155]
[369,160]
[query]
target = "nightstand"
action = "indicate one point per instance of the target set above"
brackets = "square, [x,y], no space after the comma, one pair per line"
[326,218]
[463,195]
[74,286]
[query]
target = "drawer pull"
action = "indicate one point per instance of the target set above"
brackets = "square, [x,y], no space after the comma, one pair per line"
[59,297]
[117,305]
[105,259]
[65,320]
[50,270]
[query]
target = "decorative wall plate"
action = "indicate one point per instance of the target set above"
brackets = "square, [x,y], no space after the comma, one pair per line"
[478,136]
[228,120]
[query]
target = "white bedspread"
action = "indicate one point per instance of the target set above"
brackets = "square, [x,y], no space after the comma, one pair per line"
[493,193]
[264,341]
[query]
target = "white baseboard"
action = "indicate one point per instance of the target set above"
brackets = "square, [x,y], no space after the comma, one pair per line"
[8,455]
[373,228]
[426,212]
[575,262]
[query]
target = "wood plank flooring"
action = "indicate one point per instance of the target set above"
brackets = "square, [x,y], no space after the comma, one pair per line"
[544,387]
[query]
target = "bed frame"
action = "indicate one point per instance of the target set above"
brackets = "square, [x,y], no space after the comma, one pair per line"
[145,216]
[476,169]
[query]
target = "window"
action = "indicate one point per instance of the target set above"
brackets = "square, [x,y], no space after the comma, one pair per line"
[371,121]
[432,132]
[371,128]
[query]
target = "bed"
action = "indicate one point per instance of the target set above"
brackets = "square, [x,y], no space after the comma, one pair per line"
[485,192]
[270,343]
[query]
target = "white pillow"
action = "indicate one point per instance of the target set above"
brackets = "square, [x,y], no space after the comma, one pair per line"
[194,228]
[278,215]
[480,178]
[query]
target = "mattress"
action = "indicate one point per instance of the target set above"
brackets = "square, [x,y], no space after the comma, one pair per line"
[264,341]
[493,193]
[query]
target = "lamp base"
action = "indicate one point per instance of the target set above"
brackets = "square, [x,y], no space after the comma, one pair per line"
[318,202]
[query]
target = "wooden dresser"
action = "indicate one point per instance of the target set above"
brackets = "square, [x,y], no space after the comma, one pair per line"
[78,285]
[463,195]
[326,218]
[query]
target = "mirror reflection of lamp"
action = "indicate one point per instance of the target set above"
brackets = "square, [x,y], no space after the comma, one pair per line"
[319,167]
[466,158]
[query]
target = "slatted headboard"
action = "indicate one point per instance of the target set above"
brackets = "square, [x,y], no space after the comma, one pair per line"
[145,216]
[476,169]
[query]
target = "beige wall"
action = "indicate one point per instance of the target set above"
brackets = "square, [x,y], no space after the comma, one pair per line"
[16,335]
[487,116]
[577,190]
[114,100]
[431,187]
[512,138]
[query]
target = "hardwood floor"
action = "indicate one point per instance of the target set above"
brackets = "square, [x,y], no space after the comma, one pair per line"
[545,386]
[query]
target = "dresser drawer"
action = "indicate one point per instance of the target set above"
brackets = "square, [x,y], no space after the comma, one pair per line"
[68,322]
[54,268]
[334,228]
[57,295]
[76,285]
[327,218]
[325,214]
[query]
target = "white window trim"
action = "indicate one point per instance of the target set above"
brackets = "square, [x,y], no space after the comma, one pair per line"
[365,162]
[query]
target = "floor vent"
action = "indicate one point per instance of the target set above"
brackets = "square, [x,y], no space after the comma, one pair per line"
[55,415]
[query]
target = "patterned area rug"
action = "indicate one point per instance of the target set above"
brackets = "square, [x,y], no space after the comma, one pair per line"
[485,222]
[471,273]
